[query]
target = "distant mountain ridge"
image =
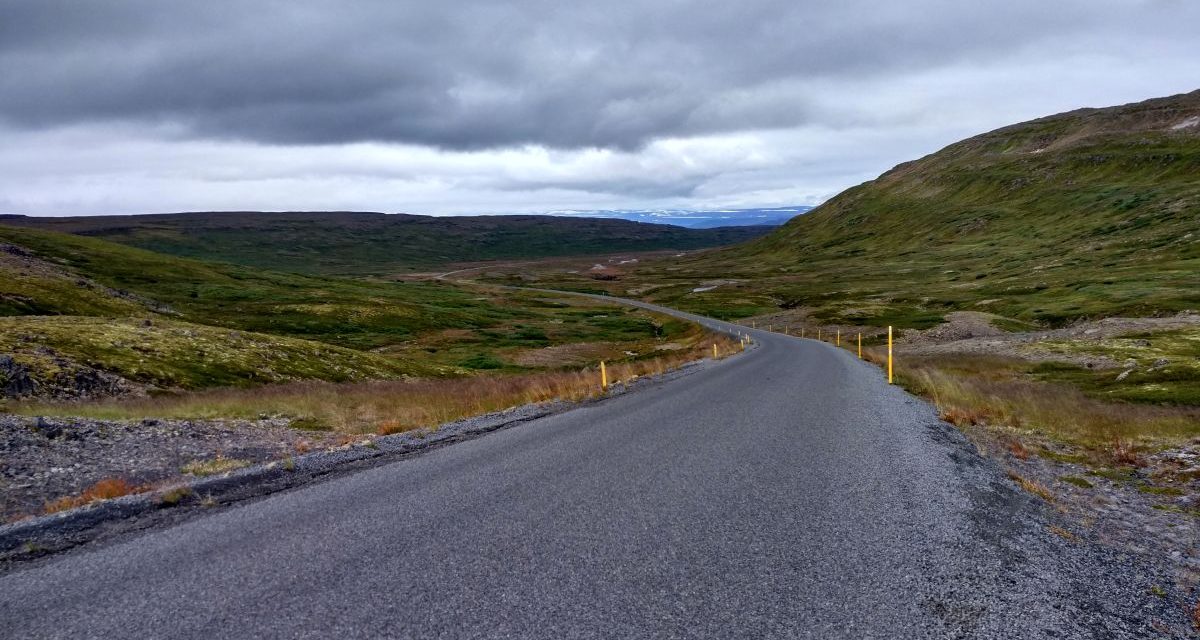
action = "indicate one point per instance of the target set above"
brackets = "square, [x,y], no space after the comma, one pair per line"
[371,243]
[695,218]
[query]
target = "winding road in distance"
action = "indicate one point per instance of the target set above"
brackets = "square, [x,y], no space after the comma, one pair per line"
[788,492]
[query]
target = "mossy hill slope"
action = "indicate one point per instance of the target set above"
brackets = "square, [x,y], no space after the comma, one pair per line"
[1090,213]
[350,313]
[79,357]
[82,310]
[356,243]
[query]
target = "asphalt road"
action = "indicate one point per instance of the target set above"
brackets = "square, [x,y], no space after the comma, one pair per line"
[788,492]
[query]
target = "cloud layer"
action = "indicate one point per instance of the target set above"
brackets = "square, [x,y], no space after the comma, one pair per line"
[485,106]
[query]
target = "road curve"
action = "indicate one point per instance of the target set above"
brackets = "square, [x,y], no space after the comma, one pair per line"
[788,492]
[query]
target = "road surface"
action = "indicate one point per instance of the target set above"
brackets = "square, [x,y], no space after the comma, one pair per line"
[788,492]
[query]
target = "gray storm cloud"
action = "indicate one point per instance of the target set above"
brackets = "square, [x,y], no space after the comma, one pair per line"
[475,75]
[127,106]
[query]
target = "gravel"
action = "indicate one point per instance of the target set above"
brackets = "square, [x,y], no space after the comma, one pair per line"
[48,458]
[1116,511]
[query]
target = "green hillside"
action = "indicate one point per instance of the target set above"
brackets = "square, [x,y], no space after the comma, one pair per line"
[355,243]
[81,309]
[344,312]
[1090,213]
[162,353]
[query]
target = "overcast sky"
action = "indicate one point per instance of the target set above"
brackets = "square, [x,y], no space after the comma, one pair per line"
[112,106]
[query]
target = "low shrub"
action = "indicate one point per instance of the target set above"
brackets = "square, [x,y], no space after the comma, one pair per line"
[105,489]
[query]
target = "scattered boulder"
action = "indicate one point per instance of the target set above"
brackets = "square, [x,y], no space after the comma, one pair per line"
[15,381]
[14,250]
[47,428]
[60,379]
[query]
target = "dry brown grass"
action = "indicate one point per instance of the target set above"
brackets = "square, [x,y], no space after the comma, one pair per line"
[963,416]
[105,489]
[572,354]
[385,407]
[1016,448]
[1124,453]
[213,466]
[174,496]
[1032,486]
[993,391]
[1063,533]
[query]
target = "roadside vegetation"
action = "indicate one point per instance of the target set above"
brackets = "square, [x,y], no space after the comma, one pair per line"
[1011,410]
[1010,394]
[384,407]
[105,489]
[213,466]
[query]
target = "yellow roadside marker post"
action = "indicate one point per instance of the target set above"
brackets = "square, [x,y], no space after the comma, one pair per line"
[860,346]
[839,337]
[889,354]
[603,377]
[714,351]
[818,333]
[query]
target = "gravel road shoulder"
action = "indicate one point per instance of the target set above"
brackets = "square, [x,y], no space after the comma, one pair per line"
[45,459]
